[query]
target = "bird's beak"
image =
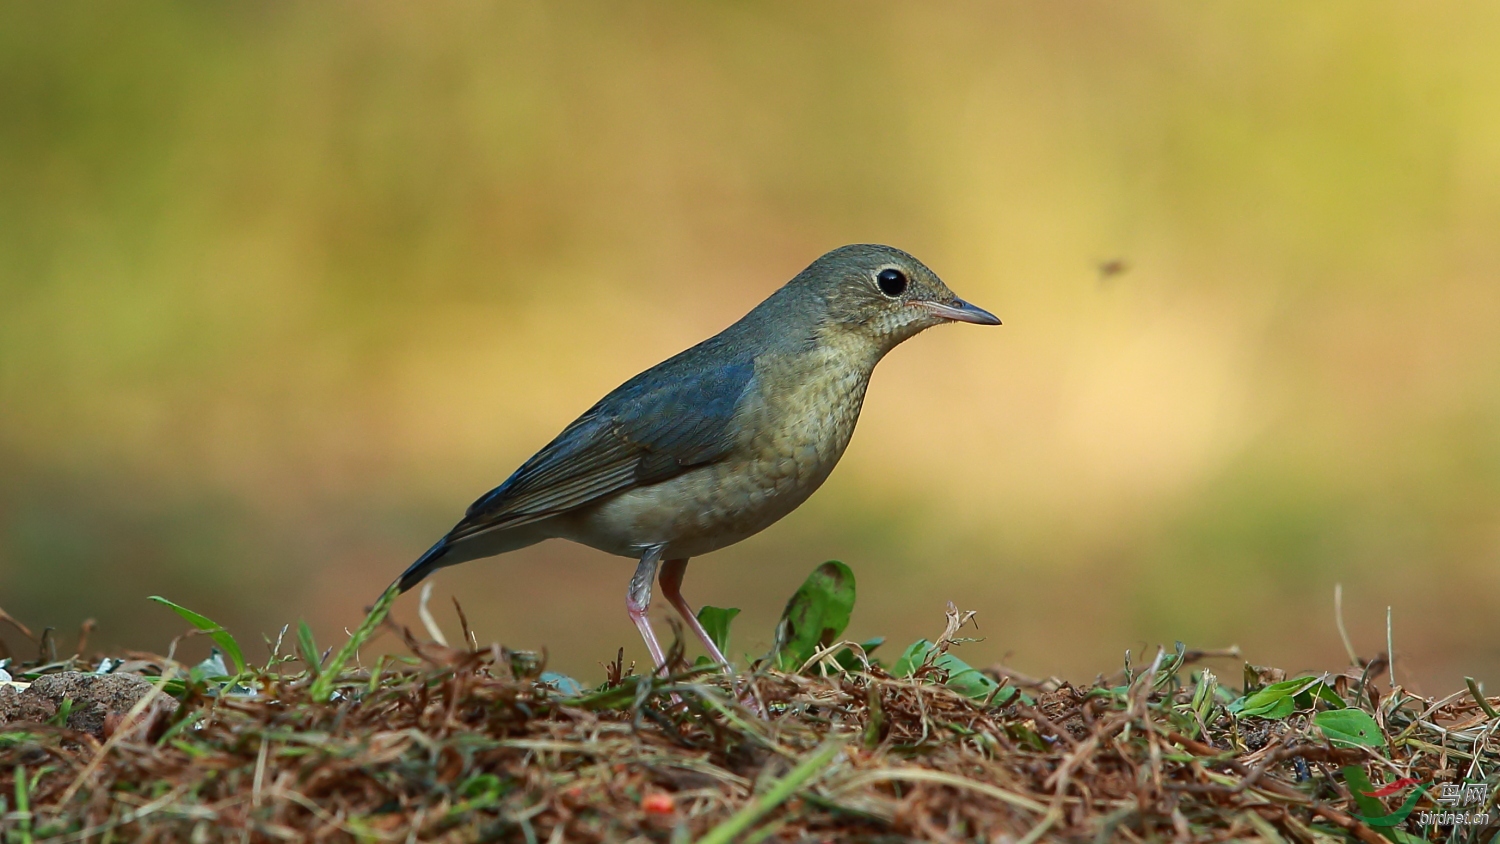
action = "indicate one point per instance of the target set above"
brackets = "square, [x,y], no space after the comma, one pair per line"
[960,311]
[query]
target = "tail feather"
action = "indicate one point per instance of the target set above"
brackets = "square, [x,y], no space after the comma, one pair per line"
[451,552]
[425,565]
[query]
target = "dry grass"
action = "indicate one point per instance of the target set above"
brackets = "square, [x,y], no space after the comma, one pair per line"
[458,744]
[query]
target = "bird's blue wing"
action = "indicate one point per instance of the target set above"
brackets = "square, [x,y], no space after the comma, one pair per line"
[649,430]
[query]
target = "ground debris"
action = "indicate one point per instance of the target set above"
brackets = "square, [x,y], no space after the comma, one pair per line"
[472,745]
[92,702]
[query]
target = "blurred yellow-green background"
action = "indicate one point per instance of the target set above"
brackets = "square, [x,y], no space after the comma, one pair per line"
[283,287]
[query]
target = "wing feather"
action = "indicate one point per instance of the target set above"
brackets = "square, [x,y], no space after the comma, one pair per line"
[650,429]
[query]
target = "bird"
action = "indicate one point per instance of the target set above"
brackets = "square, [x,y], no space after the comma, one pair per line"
[717,443]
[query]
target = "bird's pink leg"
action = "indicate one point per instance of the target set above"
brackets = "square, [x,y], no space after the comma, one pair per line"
[638,601]
[671,589]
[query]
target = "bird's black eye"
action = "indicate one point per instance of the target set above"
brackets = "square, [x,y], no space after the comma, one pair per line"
[892,282]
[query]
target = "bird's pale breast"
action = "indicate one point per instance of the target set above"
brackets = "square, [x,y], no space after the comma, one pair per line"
[793,434]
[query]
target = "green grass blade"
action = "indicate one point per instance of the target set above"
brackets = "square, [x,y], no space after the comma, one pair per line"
[215,631]
[322,687]
[23,806]
[1479,697]
[807,769]
[307,646]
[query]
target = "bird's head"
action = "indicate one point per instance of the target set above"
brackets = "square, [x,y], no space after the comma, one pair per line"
[884,295]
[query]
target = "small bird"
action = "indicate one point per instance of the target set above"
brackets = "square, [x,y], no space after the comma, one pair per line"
[717,443]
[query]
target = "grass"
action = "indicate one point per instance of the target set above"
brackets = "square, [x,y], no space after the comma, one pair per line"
[482,744]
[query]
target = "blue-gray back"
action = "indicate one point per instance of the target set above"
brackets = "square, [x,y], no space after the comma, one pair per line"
[676,415]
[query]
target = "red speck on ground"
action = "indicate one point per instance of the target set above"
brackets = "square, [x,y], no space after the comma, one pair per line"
[658,804]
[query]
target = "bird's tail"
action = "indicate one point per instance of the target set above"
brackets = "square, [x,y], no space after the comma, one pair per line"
[450,552]
[425,565]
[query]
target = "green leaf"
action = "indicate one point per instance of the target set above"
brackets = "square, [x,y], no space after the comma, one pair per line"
[1350,727]
[1268,699]
[215,632]
[1326,693]
[1027,736]
[1279,700]
[1371,811]
[816,616]
[1402,812]
[971,682]
[1360,788]
[911,658]
[1308,698]
[1276,710]
[962,677]
[715,621]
